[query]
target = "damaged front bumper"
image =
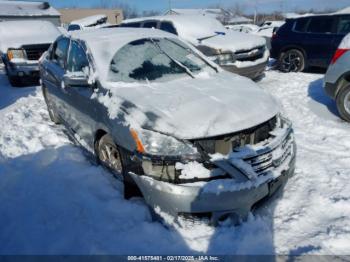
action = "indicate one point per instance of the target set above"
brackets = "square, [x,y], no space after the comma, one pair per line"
[265,169]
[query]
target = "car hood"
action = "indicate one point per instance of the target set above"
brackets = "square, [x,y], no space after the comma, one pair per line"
[234,41]
[207,106]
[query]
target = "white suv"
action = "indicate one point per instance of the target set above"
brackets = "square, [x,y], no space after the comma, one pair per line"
[337,78]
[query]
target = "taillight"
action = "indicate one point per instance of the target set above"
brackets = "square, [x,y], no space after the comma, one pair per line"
[338,54]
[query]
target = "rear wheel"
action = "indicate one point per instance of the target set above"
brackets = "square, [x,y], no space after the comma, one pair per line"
[52,114]
[343,103]
[292,60]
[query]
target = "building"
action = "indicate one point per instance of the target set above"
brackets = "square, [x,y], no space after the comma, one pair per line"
[115,16]
[23,10]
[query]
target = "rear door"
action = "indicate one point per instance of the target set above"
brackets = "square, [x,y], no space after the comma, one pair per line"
[318,40]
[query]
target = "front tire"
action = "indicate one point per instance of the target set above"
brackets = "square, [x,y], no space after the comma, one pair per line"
[291,60]
[110,156]
[343,103]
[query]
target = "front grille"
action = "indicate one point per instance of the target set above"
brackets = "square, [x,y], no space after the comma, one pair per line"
[266,161]
[34,52]
[226,143]
[250,55]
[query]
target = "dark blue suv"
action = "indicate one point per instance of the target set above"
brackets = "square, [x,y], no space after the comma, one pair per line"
[308,41]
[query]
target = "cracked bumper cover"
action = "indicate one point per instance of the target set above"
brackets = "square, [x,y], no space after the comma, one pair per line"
[218,196]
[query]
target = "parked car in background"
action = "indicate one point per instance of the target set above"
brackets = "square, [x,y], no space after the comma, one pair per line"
[89,22]
[21,45]
[236,52]
[337,78]
[309,41]
[243,28]
[151,108]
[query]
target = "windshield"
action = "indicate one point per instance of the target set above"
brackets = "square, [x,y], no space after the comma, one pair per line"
[155,60]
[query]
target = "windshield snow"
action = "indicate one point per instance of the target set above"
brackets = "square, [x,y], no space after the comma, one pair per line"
[155,60]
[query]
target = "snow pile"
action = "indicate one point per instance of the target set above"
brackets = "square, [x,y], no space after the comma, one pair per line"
[24,8]
[15,34]
[192,170]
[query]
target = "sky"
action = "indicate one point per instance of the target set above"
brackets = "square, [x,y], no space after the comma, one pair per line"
[248,5]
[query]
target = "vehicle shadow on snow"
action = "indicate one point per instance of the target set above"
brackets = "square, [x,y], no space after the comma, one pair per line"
[9,94]
[317,93]
[56,202]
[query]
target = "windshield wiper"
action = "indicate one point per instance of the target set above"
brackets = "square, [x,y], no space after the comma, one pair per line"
[192,52]
[211,36]
[188,71]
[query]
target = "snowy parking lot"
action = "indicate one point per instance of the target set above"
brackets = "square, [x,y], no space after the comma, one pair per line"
[53,200]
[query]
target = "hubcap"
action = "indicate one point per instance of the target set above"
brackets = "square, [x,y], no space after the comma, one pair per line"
[110,156]
[347,102]
[291,61]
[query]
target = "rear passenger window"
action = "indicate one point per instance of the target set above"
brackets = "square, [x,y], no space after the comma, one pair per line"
[343,25]
[301,24]
[59,52]
[321,25]
[168,27]
[150,24]
[131,25]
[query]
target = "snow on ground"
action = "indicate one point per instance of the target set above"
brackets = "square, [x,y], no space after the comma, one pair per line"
[53,200]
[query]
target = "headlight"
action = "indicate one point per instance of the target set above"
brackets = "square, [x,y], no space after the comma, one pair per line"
[16,54]
[222,59]
[154,143]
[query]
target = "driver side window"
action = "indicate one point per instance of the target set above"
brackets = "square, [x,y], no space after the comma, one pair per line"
[59,52]
[77,59]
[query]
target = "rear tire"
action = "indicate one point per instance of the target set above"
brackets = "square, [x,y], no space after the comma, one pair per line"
[52,114]
[291,60]
[343,103]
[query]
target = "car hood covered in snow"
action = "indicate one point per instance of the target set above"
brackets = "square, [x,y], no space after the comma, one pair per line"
[207,106]
[234,41]
[194,27]
[14,34]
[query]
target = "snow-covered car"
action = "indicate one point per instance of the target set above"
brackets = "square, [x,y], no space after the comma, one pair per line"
[244,28]
[21,45]
[236,52]
[95,21]
[337,78]
[188,136]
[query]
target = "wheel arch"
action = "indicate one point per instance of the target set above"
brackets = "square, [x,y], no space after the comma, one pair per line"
[343,81]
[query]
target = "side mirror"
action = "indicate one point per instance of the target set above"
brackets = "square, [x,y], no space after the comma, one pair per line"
[76,80]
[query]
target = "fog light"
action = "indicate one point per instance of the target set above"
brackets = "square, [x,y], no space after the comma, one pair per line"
[20,73]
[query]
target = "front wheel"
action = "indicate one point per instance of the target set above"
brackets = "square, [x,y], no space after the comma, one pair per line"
[343,103]
[108,154]
[292,60]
